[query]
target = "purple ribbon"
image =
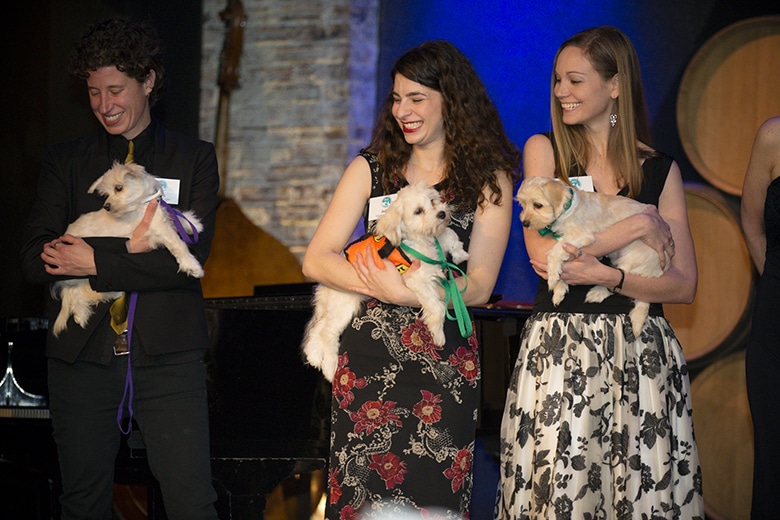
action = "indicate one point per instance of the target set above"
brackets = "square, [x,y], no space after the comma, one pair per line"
[176,215]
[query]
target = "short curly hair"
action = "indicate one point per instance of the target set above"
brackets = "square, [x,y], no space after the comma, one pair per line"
[132,47]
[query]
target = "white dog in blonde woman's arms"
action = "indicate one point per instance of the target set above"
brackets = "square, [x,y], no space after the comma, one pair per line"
[417,217]
[574,216]
[128,189]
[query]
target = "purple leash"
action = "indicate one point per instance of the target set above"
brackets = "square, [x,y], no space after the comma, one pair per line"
[176,215]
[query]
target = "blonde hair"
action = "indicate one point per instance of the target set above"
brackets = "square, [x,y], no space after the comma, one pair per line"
[612,54]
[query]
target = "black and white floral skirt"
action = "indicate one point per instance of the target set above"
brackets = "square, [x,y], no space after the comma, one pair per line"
[597,426]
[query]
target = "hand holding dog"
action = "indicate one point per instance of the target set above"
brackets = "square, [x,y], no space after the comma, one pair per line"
[577,270]
[69,256]
[381,280]
[658,234]
[72,256]
[139,241]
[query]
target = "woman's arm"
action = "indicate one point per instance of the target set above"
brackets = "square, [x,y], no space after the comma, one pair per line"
[324,261]
[489,238]
[764,166]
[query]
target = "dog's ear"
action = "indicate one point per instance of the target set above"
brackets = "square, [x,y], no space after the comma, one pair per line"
[95,184]
[557,193]
[390,223]
[135,170]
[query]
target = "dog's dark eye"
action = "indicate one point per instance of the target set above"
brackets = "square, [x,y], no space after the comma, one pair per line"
[418,211]
[538,205]
[118,187]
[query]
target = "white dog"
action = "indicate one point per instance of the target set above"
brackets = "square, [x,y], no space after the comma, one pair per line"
[129,189]
[416,217]
[575,216]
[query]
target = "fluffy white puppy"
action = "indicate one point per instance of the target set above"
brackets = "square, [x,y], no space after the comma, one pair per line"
[574,216]
[128,189]
[417,218]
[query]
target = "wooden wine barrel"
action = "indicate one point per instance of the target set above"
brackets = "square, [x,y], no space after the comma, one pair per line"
[724,436]
[728,89]
[718,320]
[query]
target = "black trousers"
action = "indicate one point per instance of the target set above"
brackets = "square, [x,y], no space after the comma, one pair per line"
[171,409]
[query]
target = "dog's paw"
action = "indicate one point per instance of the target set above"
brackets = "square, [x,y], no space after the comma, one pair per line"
[597,294]
[459,257]
[81,315]
[60,324]
[191,267]
[330,363]
[559,292]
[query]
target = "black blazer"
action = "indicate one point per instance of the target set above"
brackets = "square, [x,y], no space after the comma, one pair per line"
[170,315]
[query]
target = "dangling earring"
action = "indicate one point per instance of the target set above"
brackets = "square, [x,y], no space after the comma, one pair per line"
[613,120]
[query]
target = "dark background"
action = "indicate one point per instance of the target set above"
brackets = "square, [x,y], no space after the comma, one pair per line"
[511,43]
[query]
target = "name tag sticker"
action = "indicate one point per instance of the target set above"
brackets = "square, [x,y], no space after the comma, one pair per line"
[378,205]
[170,189]
[584,182]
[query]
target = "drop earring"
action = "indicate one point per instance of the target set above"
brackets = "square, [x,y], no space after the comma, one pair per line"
[612,120]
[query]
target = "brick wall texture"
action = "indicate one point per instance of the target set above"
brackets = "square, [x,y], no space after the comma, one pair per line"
[304,105]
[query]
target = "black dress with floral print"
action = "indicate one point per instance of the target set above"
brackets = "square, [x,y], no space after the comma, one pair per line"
[403,416]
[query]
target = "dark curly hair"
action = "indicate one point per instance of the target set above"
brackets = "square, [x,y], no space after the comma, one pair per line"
[132,47]
[476,146]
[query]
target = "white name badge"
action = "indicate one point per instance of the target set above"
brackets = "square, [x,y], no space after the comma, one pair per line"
[378,205]
[584,182]
[170,189]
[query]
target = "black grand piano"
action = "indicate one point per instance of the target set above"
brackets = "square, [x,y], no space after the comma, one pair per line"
[269,412]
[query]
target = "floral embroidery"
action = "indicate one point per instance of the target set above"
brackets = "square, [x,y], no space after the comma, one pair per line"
[344,381]
[333,486]
[467,363]
[348,513]
[390,468]
[418,338]
[374,414]
[460,469]
[428,410]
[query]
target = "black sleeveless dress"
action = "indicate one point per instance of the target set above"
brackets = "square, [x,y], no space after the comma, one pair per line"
[762,363]
[598,423]
[404,411]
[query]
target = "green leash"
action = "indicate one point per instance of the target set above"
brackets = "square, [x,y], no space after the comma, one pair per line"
[451,291]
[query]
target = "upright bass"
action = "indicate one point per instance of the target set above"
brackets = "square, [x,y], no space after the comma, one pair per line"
[242,255]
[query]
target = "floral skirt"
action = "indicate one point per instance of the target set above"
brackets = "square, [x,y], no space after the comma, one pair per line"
[403,418]
[597,426]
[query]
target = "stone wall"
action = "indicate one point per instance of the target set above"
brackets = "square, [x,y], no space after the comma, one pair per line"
[304,105]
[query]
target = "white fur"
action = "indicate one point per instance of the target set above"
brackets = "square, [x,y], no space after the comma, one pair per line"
[416,217]
[128,189]
[543,201]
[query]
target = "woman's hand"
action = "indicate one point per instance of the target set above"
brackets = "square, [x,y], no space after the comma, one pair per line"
[381,280]
[658,234]
[138,242]
[580,269]
[69,256]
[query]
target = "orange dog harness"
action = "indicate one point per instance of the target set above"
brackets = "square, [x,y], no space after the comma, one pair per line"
[381,249]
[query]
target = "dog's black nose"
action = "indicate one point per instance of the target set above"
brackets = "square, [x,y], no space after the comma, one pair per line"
[526,223]
[442,215]
[107,206]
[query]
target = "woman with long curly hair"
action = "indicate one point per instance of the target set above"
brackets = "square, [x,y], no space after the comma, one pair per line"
[404,409]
